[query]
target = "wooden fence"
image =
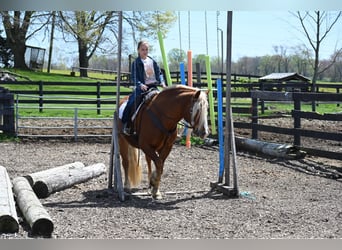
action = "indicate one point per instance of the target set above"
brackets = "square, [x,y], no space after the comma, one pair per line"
[253,95]
[297,131]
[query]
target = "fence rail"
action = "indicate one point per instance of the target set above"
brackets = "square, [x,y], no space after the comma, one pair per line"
[254,97]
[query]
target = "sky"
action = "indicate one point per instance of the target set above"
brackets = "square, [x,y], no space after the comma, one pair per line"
[254,33]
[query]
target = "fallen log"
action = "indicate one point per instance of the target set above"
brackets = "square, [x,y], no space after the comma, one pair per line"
[31,208]
[285,151]
[34,177]
[56,179]
[8,214]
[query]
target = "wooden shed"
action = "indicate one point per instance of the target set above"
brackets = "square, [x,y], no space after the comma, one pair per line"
[293,81]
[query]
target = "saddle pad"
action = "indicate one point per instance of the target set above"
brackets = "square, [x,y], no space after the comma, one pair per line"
[122,108]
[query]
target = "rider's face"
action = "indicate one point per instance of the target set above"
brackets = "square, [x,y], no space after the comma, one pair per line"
[143,51]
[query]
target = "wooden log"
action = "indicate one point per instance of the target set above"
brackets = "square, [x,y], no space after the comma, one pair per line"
[56,179]
[34,177]
[8,214]
[285,151]
[42,175]
[30,206]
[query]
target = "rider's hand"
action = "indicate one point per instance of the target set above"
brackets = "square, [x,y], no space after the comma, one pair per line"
[143,87]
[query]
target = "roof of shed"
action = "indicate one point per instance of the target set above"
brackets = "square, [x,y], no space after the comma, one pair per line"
[284,77]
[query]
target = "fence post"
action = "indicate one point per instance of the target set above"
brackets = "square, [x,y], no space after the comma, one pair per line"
[337,92]
[296,121]
[98,96]
[76,124]
[41,96]
[198,73]
[262,88]
[254,118]
[16,115]
[7,111]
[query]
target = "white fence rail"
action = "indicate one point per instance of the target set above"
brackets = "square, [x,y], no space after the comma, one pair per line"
[72,126]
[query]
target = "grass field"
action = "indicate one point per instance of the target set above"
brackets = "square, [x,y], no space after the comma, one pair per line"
[88,110]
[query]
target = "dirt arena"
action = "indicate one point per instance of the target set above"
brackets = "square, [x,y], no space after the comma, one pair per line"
[279,198]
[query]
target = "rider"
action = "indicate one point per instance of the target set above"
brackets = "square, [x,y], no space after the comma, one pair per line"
[145,74]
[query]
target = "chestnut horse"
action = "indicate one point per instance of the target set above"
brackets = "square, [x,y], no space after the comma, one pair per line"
[155,129]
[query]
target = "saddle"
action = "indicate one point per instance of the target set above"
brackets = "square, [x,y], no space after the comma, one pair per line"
[146,98]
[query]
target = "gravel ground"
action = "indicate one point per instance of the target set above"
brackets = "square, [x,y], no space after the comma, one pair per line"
[279,198]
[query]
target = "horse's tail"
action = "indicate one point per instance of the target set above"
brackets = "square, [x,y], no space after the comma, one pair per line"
[134,167]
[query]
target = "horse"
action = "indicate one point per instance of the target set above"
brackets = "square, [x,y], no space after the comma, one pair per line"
[155,127]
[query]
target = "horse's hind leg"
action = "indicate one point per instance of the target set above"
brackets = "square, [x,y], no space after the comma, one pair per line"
[124,160]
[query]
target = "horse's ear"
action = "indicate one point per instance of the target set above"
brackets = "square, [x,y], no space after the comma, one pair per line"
[207,92]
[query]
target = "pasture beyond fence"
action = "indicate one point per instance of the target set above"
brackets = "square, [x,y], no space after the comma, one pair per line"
[248,99]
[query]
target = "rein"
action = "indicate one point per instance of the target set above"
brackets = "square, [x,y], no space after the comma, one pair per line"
[158,123]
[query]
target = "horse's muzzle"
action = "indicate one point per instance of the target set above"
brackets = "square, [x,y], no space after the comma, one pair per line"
[201,133]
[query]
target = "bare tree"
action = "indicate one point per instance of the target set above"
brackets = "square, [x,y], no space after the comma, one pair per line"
[316,27]
[18,30]
[93,29]
[87,27]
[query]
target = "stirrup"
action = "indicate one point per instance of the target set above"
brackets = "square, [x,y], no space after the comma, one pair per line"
[126,129]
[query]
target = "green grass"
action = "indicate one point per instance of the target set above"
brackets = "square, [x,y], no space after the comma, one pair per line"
[68,110]
[59,76]
[8,138]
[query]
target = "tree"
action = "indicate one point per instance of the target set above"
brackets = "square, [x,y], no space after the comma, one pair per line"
[94,30]
[175,56]
[17,27]
[316,27]
[87,27]
[6,55]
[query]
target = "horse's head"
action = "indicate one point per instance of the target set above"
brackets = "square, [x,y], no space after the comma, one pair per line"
[199,114]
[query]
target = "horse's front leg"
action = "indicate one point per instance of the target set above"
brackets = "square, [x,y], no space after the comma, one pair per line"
[149,169]
[155,179]
[155,176]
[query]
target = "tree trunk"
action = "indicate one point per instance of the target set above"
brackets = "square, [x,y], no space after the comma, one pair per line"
[33,211]
[19,50]
[8,214]
[83,58]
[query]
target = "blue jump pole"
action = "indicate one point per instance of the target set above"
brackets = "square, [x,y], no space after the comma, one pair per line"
[220,129]
[182,72]
[183,82]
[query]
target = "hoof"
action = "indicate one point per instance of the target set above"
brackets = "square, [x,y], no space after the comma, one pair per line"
[157,195]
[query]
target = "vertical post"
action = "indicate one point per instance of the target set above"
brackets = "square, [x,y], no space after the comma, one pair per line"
[41,96]
[182,73]
[198,73]
[183,82]
[337,92]
[166,66]
[98,97]
[114,161]
[188,134]
[229,131]
[211,97]
[75,123]
[17,115]
[220,129]
[254,118]
[296,121]
[262,88]
[51,40]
